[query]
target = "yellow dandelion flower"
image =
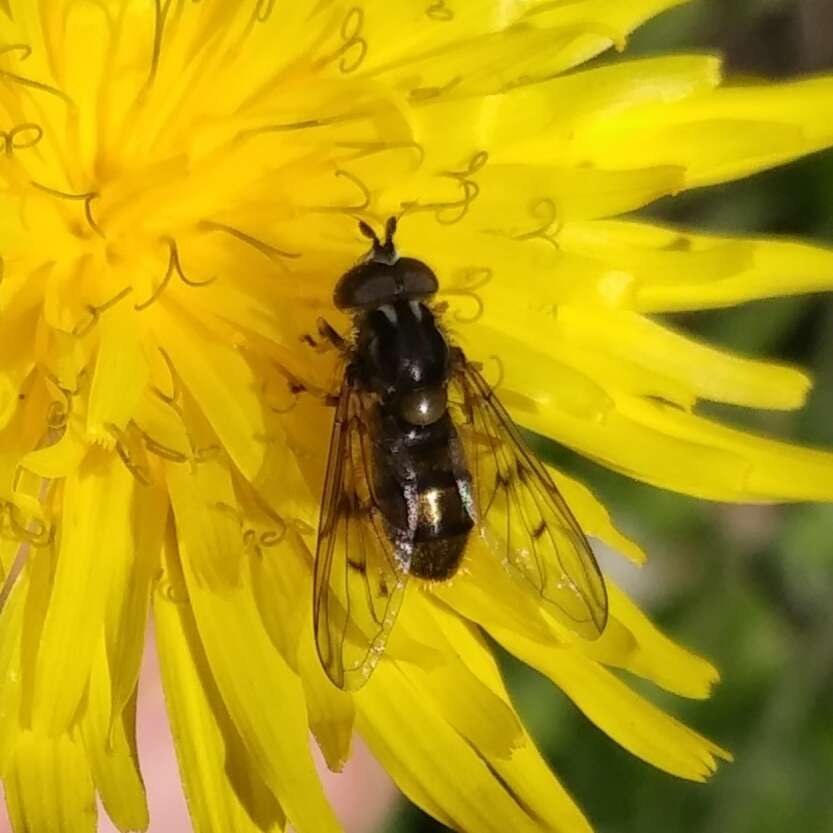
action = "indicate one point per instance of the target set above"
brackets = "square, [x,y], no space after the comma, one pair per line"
[181,183]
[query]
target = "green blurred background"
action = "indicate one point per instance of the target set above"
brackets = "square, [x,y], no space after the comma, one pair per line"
[751,588]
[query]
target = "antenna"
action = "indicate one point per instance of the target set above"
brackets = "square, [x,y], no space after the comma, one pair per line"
[382,252]
[368,232]
[390,230]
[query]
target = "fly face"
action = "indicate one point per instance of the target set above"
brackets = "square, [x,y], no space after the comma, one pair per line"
[421,454]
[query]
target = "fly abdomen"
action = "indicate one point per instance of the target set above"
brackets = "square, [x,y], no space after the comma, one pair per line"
[420,487]
[443,516]
[443,526]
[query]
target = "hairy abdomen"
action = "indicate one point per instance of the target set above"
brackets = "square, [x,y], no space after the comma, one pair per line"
[431,463]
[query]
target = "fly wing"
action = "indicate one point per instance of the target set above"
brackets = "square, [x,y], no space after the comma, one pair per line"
[522,512]
[361,568]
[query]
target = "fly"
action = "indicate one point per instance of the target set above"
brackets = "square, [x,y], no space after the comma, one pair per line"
[422,454]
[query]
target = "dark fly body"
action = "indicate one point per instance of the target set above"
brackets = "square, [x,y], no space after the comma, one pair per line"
[422,456]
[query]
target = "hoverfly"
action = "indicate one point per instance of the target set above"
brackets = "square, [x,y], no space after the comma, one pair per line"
[422,454]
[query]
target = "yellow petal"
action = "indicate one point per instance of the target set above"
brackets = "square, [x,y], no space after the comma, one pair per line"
[63,311]
[651,441]
[596,362]
[706,372]
[331,710]
[699,466]
[110,747]
[719,136]
[432,764]
[763,469]
[525,771]
[11,623]
[58,459]
[532,782]
[479,581]
[127,617]
[485,264]
[465,54]
[292,473]
[120,376]
[674,269]
[534,381]
[228,299]
[464,700]
[499,61]
[12,235]
[621,19]
[222,781]
[508,191]
[203,501]
[637,356]
[164,431]
[537,123]
[15,362]
[95,535]
[85,78]
[280,573]
[594,519]
[775,268]
[250,673]
[221,383]
[48,786]
[656,657]
[20,436]
[10,551]
[630,640]
[282,587]
[633,722]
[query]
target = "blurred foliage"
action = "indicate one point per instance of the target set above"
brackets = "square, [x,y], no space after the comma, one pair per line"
[748,587]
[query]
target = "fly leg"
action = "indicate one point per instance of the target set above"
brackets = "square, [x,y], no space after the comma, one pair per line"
[296,387]
[458,361]
[328,338]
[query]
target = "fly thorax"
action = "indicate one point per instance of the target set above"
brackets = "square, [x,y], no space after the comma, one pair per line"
[403,356]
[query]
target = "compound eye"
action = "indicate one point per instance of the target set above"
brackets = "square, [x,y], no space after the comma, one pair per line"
[423,406]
